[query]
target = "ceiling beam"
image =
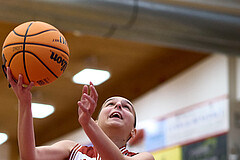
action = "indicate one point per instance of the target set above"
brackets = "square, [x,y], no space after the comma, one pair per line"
[152,22]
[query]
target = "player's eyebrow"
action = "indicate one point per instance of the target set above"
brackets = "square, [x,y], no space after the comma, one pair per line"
[128,102]
[108,100]
[114,98]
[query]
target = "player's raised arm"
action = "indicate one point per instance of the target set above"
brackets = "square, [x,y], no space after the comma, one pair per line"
[26,138]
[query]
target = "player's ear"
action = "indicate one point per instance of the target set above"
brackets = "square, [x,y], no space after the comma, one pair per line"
[133,132]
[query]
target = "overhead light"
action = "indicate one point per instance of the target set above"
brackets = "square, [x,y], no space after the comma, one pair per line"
[91,75]
[41,110]
[3,138]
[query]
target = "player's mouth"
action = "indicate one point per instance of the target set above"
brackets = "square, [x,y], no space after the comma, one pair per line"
[116,115]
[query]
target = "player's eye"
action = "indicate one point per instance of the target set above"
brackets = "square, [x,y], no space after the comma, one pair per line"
[110,104]
[127,107]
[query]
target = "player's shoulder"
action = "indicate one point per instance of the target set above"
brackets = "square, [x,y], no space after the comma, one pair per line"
[144,156]
[68,144]
[58,150]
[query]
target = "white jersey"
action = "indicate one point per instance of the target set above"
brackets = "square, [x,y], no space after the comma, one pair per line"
[89,153]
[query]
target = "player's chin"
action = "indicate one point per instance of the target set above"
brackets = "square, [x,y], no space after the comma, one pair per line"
[115,122]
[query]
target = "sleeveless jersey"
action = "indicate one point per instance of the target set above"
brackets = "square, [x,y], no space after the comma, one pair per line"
[89,153]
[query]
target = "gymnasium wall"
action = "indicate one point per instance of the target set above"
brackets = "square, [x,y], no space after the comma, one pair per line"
[199,87]
[207,79]
[238,78]
[233,136]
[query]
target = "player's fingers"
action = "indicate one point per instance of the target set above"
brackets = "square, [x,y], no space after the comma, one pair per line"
[93,93]
[9,77]
[81,107]
[90,99]
[20,80]
[30,85]
[84,91]
[92,103]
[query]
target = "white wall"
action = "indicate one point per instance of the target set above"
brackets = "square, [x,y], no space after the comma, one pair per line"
[205,80]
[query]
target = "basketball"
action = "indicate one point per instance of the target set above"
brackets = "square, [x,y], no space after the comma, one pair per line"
[38,51]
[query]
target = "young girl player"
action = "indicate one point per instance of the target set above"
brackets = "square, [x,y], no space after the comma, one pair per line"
[109,135]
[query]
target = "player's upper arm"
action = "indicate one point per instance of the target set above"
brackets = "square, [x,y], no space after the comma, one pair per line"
[58,151]
[141,156]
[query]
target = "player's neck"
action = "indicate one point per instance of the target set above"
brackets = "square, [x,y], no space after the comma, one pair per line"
[118,141]
[116,136]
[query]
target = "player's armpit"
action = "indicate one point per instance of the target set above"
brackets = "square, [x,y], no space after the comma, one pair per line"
[58,151]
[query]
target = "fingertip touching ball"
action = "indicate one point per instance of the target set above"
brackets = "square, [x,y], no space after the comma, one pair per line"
[38,51]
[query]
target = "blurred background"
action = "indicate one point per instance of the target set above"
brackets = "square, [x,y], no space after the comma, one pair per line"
[177,61]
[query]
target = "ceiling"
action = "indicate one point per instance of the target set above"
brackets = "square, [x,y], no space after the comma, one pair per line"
[141,43]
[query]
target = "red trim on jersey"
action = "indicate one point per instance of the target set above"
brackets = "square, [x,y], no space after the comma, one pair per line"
[126,152]
[74,151]
[91,152]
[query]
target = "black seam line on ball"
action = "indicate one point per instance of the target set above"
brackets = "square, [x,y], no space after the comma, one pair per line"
[30,35]
[38,44]
[24,61]
[42,63]
[10,64]
[13,57]
[10,61]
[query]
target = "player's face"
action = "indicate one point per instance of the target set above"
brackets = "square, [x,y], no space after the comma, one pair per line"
[117,112]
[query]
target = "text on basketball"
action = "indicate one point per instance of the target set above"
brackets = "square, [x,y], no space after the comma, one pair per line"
[57,58]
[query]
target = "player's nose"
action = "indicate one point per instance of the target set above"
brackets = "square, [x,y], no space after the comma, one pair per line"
[118,105]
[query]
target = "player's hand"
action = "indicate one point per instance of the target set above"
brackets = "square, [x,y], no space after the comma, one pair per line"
[23,94]
[87,104]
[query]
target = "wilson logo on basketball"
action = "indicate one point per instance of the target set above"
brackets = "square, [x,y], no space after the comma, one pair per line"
[57,58]
[60,40]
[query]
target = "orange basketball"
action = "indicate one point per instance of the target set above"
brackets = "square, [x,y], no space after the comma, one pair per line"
[38,51]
